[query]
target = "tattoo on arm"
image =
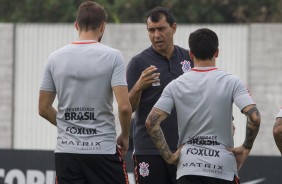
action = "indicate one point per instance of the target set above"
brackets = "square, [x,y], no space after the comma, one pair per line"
[160,142]
[252,128]
[154,117]
[157,135]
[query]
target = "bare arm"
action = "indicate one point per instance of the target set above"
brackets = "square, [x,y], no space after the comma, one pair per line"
[153,122]
[145,80]
[277,133]
[253,123]
[134,96]
[124,111]
[46,110]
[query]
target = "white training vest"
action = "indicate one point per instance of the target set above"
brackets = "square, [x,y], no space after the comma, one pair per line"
[82,74]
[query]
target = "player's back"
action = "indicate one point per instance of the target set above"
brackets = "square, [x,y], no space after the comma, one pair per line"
[83,75]
[203,100]
[83,69]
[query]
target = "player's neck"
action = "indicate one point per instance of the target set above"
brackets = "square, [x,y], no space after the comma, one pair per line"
[204,63]
[166,53]
[89,35]
[210,62]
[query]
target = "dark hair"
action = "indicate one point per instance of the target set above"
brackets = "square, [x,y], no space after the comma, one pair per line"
[90,15]
[156,13]
[203,43]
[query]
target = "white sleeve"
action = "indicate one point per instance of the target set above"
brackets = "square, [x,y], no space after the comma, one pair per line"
[47,83]
[279,115]
[119,71]
[241,95]
[166,102]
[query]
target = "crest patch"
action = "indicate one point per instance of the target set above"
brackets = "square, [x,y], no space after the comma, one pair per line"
[186,66]
[144,171]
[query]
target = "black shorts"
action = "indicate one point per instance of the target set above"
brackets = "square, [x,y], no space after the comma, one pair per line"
[193,179]
[90,169]
[152,169]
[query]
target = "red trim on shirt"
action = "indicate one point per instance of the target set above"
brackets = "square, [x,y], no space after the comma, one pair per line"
[84,42]
[207,70]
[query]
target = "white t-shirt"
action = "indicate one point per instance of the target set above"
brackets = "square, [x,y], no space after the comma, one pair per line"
[203,98]
[82,74]
[279,115]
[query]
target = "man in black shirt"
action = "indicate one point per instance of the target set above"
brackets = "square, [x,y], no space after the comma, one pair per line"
[147,75]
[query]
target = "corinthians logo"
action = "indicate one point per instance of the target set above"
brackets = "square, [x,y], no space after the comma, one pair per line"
[80,113]
[186,65]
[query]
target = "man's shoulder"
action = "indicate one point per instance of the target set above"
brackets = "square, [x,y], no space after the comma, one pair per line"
[180,48]
[230,75]
[142,55]
[107,48]
[231,78]
[60,51]
[182,53]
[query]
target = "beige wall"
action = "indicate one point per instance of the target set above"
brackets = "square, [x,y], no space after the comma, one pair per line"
[253,52]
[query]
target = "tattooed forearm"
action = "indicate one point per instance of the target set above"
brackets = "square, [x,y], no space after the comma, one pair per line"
[160,142]
[252,128]
[153,118]
[153,126]
[156,135]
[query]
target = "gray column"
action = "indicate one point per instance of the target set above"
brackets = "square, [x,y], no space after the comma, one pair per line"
[6,84]
[265,79]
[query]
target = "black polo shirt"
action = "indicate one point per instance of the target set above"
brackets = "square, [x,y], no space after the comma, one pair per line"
[169,69]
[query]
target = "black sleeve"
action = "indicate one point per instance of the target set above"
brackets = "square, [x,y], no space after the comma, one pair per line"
[132,73]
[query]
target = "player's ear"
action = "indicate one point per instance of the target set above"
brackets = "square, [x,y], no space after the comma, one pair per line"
[174,26]
[191,55]
[102,27]
[76,25]
[216,53]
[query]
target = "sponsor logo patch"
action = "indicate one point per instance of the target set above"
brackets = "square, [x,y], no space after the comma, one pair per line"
[79,113]
[96,145]
[203,152]
[82,131]
[208,168]
[204,140]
